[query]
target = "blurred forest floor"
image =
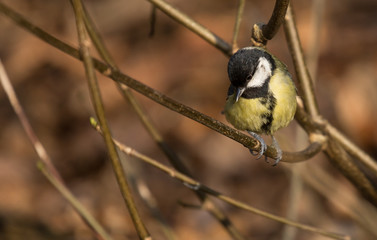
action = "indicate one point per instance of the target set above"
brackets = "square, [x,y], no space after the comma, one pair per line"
[53,90]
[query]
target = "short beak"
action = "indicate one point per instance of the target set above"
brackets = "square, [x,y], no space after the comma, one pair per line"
[240,90]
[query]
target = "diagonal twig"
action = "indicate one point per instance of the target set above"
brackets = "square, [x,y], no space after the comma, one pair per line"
[195,27]
[237,23]
[99,109]
[277,18]
[302,72]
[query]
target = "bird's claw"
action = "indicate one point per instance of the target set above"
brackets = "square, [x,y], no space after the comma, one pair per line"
[263,146]
[259,154]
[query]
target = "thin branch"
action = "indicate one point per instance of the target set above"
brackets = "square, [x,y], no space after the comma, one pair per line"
[313,149]
[96,38]
[195,27]
[38,146]
[38,32]
[45,164]
[193,184]
[276,19]
[261,32]
[302,73]
[99,108]
[241,6]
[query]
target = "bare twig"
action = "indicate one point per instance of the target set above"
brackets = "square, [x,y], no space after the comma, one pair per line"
[195,27]
[313,149]
[96,38]
[99,108]
[261,32]
[241,6]
[276,19]
[302,73]
[45,164]
[38,147]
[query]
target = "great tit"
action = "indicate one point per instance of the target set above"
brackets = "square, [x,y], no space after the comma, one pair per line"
[261,97]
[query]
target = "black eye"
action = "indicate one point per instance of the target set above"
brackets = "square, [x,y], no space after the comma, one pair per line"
[249,77]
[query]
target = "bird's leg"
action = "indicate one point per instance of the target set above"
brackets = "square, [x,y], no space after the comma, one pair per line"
[275,145]
[263,146]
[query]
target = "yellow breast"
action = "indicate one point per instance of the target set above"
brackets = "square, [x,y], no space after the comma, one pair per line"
[245,114]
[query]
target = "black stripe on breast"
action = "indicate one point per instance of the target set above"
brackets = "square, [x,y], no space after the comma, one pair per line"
[267,118]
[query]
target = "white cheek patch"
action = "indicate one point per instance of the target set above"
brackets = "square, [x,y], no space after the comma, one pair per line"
[262,73]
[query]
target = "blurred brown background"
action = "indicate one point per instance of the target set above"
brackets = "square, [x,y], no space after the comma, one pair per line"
[53,90]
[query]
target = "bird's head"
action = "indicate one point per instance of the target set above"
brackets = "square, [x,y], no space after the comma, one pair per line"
[250,67]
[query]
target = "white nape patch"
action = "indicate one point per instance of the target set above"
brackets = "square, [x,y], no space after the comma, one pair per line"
[262,73]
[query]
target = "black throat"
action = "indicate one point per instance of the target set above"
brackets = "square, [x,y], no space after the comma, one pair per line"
[254,92]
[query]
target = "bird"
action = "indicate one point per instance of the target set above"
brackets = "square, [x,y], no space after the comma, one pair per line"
[261,97]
